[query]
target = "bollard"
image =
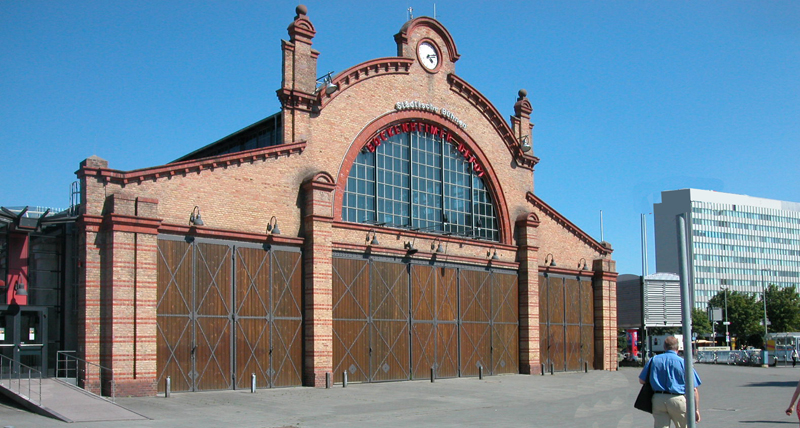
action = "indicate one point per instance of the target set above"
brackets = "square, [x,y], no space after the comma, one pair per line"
[327,380]
[480,372]
[585,367]
[167,387]
[253,383]
[433,374]
[344,379]
[552,369]
[542,369]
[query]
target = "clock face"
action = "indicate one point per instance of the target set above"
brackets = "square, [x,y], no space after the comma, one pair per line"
[428,55]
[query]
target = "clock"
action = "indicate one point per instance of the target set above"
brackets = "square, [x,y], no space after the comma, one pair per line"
[428,55]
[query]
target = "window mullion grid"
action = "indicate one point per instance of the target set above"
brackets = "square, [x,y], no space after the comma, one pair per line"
[441,181]
[411,180]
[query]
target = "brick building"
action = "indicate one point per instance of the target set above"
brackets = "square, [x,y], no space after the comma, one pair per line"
[383,223]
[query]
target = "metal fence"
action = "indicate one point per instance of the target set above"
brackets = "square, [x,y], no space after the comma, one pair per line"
[23,380]
[91,377]
[749,357]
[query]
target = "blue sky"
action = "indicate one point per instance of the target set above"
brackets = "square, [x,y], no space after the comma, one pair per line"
[630,98]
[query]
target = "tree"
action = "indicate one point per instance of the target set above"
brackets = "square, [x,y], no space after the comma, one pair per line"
[744,314]
[783,309]
[700,323]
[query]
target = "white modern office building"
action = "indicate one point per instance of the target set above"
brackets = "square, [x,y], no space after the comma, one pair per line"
[737,242]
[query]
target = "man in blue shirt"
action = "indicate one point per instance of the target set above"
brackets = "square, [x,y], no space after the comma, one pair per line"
[668,379]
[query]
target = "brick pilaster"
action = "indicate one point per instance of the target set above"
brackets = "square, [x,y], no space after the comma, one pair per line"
[604,284]
[128,294]
[317,280]
[527,255]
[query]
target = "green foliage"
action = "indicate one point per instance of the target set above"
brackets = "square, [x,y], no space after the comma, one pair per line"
[783,309]
[745,313]
[700,323]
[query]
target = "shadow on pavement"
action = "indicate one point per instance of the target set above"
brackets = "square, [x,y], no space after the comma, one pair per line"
[789,383]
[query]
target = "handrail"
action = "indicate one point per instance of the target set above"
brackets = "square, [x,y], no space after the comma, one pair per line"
[11,364]
[72,367]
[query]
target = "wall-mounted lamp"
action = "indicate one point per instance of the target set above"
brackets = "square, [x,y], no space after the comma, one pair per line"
[582,264]
[326,81]
[492,254]
[374,240]
[438,248]
[552,262]
[194,219]
[525,144]
[409,247]
[272,226]
[20,289]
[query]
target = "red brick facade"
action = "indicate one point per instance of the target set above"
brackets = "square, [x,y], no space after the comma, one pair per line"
[302,183]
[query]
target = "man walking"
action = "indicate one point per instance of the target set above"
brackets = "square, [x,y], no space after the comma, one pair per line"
[668,379]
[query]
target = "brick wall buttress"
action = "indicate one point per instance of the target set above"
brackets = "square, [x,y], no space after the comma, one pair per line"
[129,294]
[317,279]
[605,314]
[528,241]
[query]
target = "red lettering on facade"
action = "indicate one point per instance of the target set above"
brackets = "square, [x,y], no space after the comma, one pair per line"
[405,127]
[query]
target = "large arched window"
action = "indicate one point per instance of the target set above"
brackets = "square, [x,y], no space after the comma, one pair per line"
[413,176]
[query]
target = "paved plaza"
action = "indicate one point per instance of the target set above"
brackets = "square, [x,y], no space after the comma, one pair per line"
[730,396]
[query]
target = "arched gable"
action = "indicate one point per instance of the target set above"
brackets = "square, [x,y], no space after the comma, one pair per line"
[370,131]
[415,24]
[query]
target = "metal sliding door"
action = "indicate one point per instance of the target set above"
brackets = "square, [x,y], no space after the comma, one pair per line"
[476,314]
[505,325]
[566,321]
[394,321]
[226,312]
[351,319]
[434,321]
[389,314]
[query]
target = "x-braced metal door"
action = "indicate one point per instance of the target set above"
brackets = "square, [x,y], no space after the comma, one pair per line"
[434,321]
[370,320]
[194,315]
[566,322]
[268,318]
[209,338]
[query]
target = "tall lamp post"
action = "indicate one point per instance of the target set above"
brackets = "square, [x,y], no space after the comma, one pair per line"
[764,353]
[726,323]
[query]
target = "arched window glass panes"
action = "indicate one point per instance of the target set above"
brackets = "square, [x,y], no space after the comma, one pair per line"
[419,181]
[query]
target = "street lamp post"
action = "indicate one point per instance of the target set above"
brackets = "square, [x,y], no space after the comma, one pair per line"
[765,354]
[726,323]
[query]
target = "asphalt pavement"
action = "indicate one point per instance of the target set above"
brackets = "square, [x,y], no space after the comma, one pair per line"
[730,396]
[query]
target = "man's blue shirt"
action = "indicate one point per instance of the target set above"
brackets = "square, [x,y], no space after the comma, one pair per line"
[667,373]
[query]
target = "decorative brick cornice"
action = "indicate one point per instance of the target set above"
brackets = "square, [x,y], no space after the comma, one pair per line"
[89,223]
[560,219]
[206,232]
[131,224]
[566,271]
[320,181]
[482,104]
[191,166]
[292,99]
[529,220]
[364,71]
[609,276]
